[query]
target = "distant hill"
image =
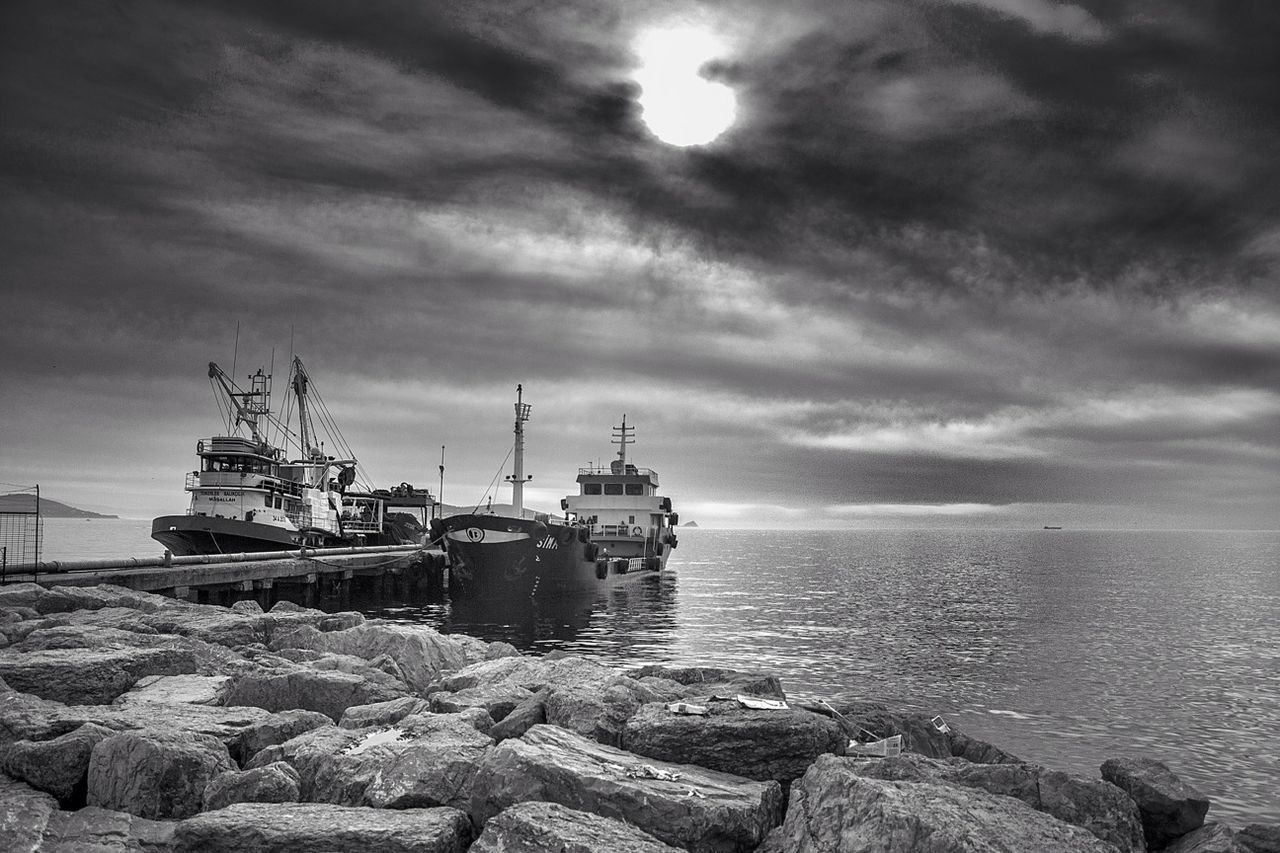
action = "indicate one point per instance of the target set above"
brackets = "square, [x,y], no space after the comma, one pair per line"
[48,508]
[446,510]
[690,524]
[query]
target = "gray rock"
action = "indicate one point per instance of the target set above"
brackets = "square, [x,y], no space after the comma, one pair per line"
[526,715]
[330,693]
[708,680]
[424,760]
[24,813]
[1091,804]
[105,831]
[176,690]
[834,808]
[383,713]
[86,676]
[273,783]
[153,774]
[683,805]
[1259,838]
[247,607]
[553,828]
[1170,808]
[58,766]
[321,828]
[978,751]
[497,699]
[277,728]
[761,745]
[1210,838]
[421,652]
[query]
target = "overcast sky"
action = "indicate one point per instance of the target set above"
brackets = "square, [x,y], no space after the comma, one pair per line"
[980,262]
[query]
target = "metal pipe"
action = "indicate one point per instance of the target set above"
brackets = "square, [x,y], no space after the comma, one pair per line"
[207,559]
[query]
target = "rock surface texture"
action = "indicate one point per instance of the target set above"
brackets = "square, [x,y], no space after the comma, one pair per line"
[553,828]
[309,828]
[680,804]
[1170,807]
[833,808]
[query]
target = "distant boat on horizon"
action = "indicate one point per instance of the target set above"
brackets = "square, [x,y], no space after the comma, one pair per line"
[1053,527]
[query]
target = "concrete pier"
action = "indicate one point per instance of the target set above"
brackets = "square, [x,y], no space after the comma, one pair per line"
[213,578]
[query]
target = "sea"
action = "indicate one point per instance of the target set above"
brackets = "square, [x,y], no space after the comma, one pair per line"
[1064,647]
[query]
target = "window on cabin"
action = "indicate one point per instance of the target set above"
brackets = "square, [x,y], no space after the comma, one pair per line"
[591,488]
[635,488]
[613,488]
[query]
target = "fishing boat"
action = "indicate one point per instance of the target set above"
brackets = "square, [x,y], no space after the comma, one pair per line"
[617,529]
[248,495]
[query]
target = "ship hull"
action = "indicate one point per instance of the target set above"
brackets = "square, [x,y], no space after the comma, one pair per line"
[492,556]
[186,535]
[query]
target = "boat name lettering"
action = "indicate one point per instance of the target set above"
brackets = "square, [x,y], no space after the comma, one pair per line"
[549,544]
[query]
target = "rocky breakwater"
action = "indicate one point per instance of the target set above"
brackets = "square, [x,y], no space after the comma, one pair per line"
[130,721]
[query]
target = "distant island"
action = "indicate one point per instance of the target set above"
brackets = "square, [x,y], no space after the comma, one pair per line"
[690,524]
[22,502]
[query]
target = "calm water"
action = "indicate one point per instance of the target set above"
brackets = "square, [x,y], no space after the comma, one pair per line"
[1064,647]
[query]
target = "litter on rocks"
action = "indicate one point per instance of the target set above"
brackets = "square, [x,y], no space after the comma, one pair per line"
[940,724]
[758,704]
[889,747]
[687,708]
[648,771]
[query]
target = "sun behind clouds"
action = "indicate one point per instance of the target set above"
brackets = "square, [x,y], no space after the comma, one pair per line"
[678,104]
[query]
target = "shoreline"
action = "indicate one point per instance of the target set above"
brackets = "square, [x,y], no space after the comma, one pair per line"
[295,714]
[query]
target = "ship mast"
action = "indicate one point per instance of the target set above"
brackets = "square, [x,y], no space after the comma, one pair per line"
[305,428]
[622,437]
[250,405]
[517,477]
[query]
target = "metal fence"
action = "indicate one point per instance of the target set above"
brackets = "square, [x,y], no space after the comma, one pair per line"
[21,527]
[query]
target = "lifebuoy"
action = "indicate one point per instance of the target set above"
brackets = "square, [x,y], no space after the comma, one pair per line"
[200,446]
[637,531]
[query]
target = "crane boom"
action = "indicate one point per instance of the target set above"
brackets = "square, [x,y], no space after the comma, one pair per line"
[250,406]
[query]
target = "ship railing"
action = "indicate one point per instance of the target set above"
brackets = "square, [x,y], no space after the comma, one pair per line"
[359,525]
[619,531]
[635,564]
[193,480]
[605,470]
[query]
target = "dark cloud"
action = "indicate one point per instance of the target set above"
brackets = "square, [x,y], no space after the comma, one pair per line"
[994,252]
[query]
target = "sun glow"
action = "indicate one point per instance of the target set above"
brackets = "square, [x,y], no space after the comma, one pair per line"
[681,106]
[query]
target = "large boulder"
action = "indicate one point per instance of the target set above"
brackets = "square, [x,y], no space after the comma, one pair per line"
[311,828]
[24,813]
[681,804]
[553,828]
[497,699]
[156,775]
[276,728]
[423,760]
[1210,838]
[1258,838]
[383,713]
[87,676]
[420,652]
[526,715]
[176,690]
[834,808]
[1170,808]
[59,766]
[331,693]
[105,831]
[1091,804]
[273,783]
[762,745]
[704,681]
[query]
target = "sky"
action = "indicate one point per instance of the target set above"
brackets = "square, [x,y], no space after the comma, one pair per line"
[992,263]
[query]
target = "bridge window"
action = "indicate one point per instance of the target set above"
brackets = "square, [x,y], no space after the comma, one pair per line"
[591,488]
[613,488]
[635,488]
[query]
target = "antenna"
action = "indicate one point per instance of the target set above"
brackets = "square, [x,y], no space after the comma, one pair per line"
[440,494]
[622,437]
